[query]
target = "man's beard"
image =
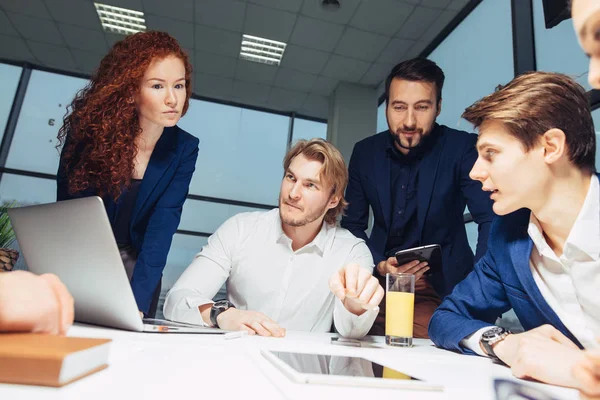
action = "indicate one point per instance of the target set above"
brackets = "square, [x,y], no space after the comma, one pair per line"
[419,137]
[305,220]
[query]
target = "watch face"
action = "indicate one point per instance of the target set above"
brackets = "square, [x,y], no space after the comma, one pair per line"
[492,333]
[222,304]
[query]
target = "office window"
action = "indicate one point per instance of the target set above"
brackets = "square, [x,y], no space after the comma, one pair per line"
[306,129]
[381,118]
[241,151]
[557,49]
[204,216]
[26,190]
[44,106]
[183,250]
[475,57]
[9,80]
[472,235]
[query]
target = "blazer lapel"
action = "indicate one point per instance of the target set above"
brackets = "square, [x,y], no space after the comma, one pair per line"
[382,182]
[520,253]
[160,160]
[427,174]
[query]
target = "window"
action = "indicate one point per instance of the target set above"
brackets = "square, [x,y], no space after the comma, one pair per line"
[381,118]
[241,151]
[9,80]
[26,190]
[44,106]
[306,129]
[475,57]
[472,235]
[557,49]
[596,117]
[205,216]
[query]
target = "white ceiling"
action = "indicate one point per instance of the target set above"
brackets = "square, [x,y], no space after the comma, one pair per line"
[359,43]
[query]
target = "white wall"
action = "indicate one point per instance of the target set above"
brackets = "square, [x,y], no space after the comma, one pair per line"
[352,116]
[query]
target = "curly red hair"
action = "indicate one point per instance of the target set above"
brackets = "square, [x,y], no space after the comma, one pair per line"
[102,122]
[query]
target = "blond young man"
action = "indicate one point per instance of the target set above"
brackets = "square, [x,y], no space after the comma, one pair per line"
[289,268]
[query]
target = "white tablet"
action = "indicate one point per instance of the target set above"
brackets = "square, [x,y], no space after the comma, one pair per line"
[340,370]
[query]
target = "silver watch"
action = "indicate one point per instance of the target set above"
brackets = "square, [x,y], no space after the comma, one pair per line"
[492,336]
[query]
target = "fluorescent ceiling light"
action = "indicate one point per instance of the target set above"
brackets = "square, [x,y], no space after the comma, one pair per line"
[120,20]
[261,50]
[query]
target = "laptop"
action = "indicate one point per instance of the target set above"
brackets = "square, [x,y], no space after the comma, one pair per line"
[73,239]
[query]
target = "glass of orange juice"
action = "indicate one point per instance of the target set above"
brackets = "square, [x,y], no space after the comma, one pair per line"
[399,309]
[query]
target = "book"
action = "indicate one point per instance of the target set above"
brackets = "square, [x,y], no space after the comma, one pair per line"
[48,360]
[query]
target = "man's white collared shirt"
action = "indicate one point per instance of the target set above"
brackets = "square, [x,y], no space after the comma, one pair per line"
[252,254]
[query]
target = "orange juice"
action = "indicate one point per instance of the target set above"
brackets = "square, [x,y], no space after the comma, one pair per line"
[393,374]
[399,313]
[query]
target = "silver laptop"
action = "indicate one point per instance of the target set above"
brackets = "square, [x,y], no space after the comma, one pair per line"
[73,239]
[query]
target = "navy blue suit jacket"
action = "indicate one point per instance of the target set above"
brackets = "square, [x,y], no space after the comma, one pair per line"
[157,210]
[443,190]
[501,280]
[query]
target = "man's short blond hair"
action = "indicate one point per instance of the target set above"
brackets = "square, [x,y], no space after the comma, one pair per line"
[333,172]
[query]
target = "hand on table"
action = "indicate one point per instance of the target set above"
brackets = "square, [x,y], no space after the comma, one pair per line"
[357,288]
[543,353]
[251,321]
[587,374]
[391,266]
[32,303]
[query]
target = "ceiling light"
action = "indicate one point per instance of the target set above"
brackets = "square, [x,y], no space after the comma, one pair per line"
[261,50]
[120,20]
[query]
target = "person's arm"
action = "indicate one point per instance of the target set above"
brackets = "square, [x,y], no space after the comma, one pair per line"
[203,278]
[190,299]
[356,218]
[478,201]
[32,303]
[161,227]
[475,303]
[358,294]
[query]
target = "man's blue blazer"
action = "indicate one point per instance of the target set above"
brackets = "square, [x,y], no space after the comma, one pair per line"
[443,190]
[157,210]
[501,280]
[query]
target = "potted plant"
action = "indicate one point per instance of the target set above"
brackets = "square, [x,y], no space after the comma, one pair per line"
[8,257]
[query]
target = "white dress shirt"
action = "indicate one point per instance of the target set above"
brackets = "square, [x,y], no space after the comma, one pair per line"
[568,283]
[253,255]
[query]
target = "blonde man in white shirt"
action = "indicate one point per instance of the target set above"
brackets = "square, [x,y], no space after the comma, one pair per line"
[289,268]
[536,150]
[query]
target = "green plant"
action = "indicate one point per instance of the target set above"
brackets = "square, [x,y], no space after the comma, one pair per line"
[7,235]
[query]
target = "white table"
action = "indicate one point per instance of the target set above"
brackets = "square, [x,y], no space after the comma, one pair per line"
[173,366]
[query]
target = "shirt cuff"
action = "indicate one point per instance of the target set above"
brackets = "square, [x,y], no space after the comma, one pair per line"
[350,325]
[180,307]
[472,341]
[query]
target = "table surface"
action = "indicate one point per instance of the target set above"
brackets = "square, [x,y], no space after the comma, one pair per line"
[158,366]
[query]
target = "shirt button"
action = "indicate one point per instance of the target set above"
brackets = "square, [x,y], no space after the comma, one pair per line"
[403,186]
[400,212]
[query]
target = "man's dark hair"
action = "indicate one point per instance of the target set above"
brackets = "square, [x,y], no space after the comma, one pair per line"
[417,69]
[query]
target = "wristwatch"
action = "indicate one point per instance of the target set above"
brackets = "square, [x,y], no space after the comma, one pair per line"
[492,336]
[217,308]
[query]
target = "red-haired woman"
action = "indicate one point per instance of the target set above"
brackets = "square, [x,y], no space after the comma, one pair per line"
[121,143]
